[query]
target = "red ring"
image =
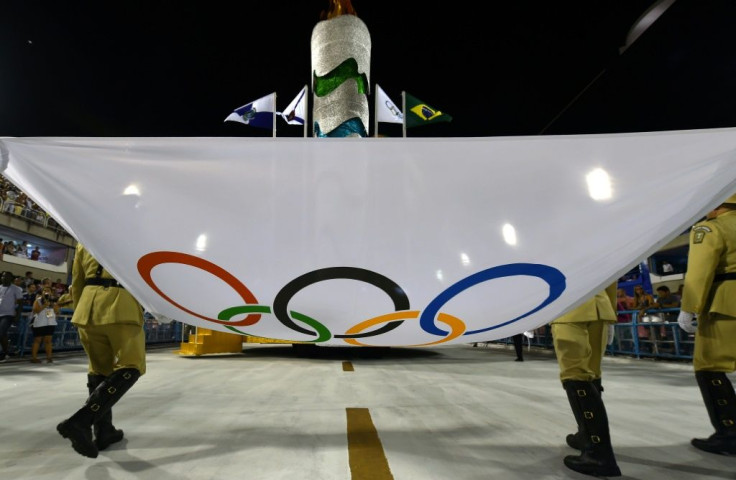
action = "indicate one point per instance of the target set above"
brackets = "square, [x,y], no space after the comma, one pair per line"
[153,259]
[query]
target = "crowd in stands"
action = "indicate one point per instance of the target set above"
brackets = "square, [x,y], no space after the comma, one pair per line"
[32,287]
[19,249]
[13,201]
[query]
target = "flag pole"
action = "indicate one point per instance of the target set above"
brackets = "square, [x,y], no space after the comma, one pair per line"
[403,109]
[274,114]
[306,108]
[375,110]
[311,88]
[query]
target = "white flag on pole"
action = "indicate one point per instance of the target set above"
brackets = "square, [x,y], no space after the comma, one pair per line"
[386,109]
[295,113]
[258,113]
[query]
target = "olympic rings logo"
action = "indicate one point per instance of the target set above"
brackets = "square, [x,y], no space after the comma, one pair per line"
[379,325]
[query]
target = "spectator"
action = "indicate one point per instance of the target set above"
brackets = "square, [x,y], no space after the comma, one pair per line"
[624,302]
[10,196]
[665,299]
[35,253]
[643,301]
[39,216]
[28,279]
[45,309]
[20,204]
[21,250]
[58,287]
[11,298]
[30,296]
[66,301]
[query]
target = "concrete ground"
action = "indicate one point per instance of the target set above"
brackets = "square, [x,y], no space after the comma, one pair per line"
[276,412]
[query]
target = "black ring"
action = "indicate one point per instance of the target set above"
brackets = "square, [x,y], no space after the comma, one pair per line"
[393,290]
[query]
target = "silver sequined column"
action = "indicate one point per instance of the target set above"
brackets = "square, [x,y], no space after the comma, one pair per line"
[337,44]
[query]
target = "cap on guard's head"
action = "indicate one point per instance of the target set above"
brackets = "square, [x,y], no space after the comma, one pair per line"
[731,200]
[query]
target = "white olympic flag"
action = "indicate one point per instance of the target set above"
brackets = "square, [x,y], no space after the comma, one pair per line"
[391,241]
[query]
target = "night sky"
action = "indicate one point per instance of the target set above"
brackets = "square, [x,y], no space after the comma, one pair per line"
[178,68]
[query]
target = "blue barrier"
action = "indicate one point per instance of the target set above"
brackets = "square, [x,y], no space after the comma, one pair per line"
[66,337]
[653,335]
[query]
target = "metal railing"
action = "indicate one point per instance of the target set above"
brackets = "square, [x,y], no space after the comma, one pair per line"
[66,336]
[662,338]
[33,215]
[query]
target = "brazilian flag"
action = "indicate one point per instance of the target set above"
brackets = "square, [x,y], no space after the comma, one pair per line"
[419,113]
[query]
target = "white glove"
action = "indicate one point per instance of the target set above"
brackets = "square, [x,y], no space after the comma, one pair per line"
[685,319]
[611,333]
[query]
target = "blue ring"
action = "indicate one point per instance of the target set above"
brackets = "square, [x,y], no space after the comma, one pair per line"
[554,278]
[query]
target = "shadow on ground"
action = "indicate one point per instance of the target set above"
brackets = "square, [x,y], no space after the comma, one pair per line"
[337,352]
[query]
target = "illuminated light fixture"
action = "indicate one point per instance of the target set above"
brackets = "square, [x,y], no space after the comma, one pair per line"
[132,189]
[439,275]
[509,234]
[201,244]
[465,259]
[599,184]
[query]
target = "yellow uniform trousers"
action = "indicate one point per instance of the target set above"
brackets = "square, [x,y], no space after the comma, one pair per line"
[715,344]
[111,347]
[579,347]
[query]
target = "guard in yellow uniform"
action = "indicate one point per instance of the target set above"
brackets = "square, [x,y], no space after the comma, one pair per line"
[110,325]
[710,293]
[579,339]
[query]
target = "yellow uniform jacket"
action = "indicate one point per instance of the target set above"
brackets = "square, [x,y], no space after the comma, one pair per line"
[712,252]
[601,307]
[96,304]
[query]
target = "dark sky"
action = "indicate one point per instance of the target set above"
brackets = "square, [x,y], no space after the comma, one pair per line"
[178,68]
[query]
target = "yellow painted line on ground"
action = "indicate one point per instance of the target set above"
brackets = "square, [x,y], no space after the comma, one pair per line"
[365,452]
[347,367]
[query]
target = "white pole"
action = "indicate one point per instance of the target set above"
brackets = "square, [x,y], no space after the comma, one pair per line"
[311,86]
[375,110]
[274,114]
[306,108]
[403,109]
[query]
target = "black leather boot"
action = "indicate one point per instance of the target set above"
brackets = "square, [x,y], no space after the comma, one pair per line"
[596,457]
[105,432]
[78,427]
[573,439]
[720,401]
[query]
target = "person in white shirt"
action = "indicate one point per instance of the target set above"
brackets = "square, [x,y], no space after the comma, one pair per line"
[11,299]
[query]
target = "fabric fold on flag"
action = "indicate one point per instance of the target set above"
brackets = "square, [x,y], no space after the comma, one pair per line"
[419,113]
[296,112]
[386,109]
[259,113]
